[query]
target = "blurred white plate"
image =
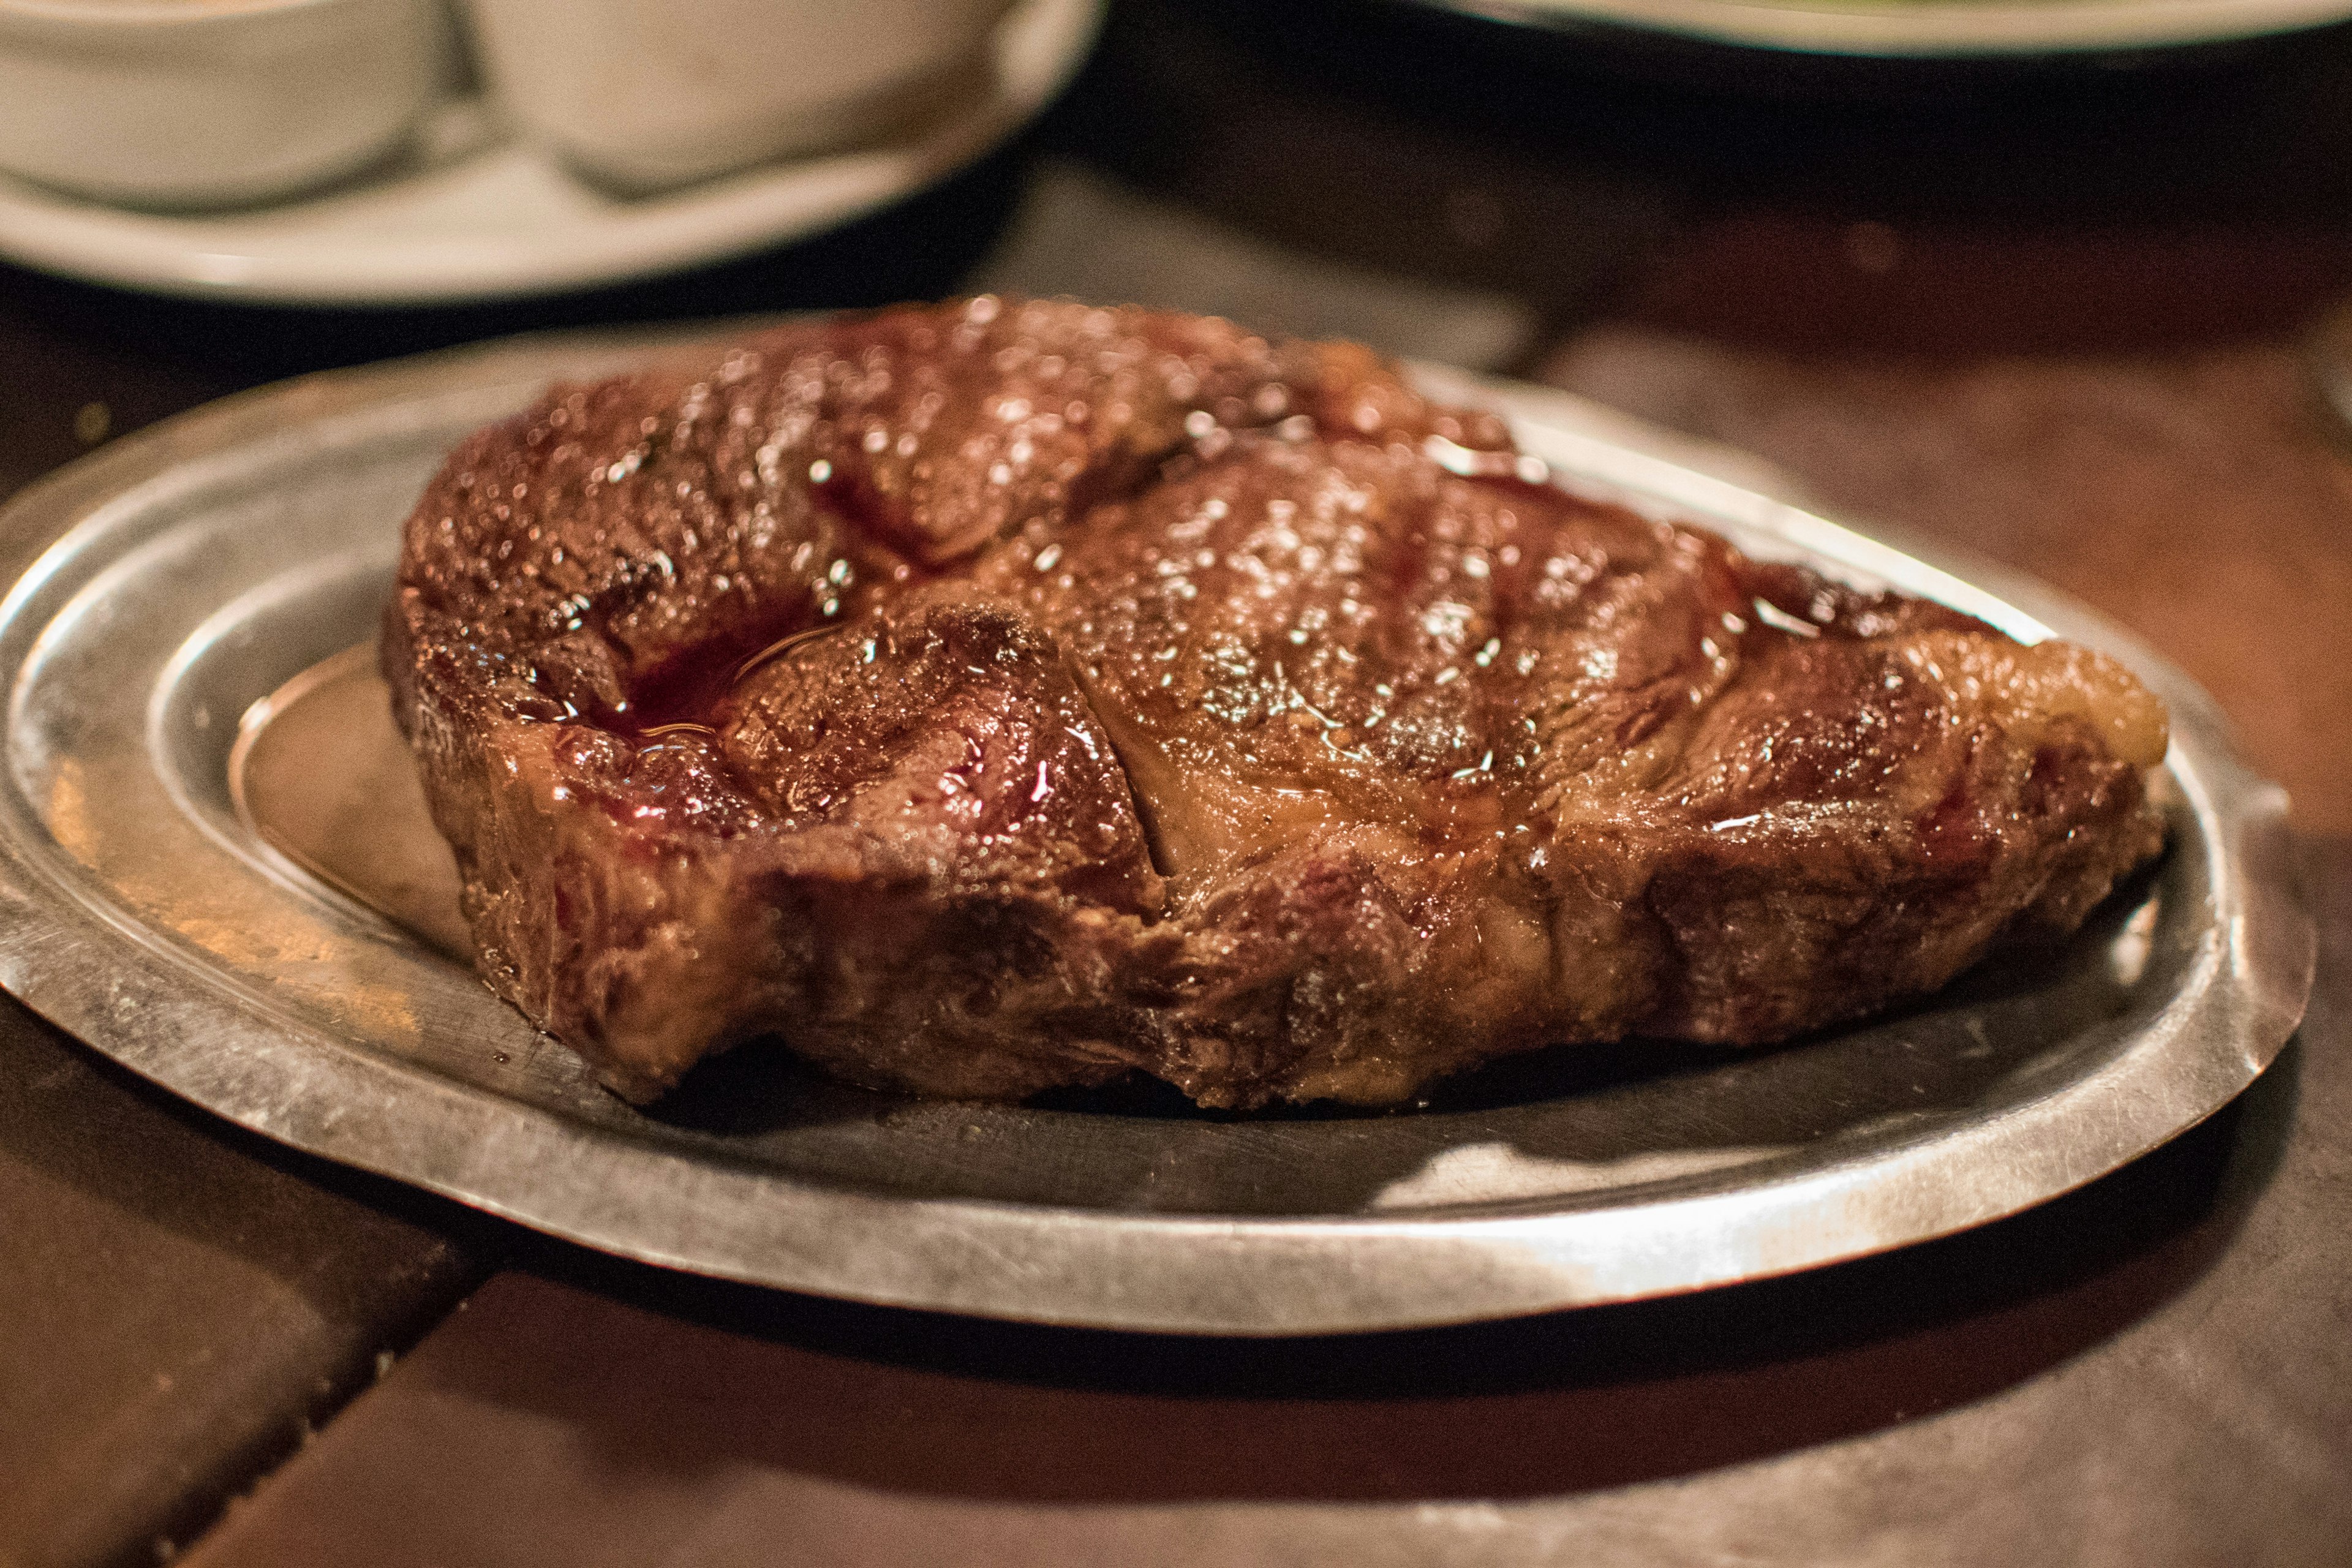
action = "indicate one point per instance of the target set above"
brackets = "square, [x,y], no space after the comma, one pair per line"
[1933,28]
[476,216]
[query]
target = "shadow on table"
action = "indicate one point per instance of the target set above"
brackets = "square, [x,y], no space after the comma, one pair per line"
[690,1373]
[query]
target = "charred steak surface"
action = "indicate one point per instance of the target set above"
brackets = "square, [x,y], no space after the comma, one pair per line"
[996,696]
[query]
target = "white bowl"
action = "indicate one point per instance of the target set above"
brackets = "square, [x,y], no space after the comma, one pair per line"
[210,102]
[649,93]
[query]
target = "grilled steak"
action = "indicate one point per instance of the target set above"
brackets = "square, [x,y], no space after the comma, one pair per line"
[997,696]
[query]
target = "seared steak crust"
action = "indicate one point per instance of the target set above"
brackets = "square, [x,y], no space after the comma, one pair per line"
[998,696]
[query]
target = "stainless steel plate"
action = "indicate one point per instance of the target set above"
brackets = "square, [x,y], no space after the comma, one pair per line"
[164,585]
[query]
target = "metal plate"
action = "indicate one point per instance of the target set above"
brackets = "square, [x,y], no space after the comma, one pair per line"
[1929,29]
[167,583]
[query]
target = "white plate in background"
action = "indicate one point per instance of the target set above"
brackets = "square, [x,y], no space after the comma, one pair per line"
[476,216]
[1930,30]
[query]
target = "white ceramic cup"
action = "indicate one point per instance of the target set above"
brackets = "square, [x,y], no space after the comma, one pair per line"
[648,93]
[211,102]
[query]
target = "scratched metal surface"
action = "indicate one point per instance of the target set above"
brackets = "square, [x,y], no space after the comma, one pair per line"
[167,583]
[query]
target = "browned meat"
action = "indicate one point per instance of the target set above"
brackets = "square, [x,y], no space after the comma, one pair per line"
[998,696]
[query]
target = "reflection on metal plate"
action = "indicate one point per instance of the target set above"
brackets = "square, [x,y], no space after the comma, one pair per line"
[167,584]
[322,774]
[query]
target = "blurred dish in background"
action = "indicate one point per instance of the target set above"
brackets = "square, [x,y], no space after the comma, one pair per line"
[475,214]
[648,96]
[169,103]
[1925,29]
[2330,358]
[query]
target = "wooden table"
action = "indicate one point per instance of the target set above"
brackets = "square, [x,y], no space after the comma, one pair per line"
[2056,321]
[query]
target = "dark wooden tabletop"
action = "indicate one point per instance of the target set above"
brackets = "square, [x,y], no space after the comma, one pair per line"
[2057,317]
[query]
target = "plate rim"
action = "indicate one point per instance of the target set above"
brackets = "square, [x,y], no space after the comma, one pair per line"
[228,257]
[73,962]
[1928,29]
